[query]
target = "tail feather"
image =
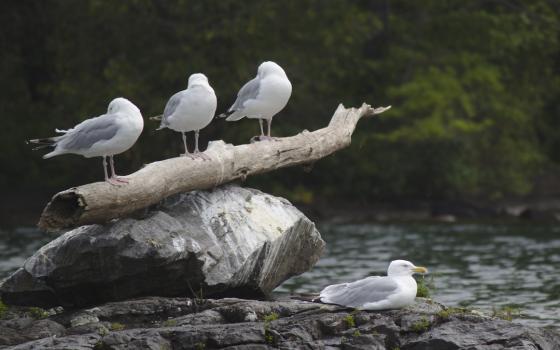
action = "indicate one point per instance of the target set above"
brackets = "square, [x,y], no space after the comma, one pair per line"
[43,143]
[226,114]
[163,123]
[52,154]
[233,116]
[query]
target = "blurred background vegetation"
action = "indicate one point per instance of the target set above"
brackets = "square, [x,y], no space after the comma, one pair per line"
[474,86]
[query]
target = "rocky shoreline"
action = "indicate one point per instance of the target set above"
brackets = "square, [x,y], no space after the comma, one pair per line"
[186,323]
[185,273]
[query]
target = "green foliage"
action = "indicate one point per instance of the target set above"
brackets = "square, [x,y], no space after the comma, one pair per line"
[3,309]
[116,326]
[421,326]
[268,336]
[170,323]
[37,313]
[446,313]
[474,86]
[100,345]
[425,286]
[507,313]
[273,316]
[356,333]
[350,322]
[200,346]
[102,331]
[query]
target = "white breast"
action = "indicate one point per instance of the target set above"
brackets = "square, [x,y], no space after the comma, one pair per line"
[195,110]
[275,91]
[407,292]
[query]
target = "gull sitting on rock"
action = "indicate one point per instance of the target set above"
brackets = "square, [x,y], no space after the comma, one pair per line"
[394,291]
[104,136]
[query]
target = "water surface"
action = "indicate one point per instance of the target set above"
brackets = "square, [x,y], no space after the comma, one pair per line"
[473,265]
[479,266]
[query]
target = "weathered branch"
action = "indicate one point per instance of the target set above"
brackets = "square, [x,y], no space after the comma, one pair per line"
[100,202]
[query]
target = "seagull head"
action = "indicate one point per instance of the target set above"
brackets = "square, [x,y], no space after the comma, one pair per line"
[404,268]
[120,104]
[270,67]
[198,79]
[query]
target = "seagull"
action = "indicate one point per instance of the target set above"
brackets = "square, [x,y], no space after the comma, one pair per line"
[262,97]
[104,136]
[191,110]
[394,291]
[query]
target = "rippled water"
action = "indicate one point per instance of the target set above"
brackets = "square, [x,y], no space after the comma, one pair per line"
[479,266]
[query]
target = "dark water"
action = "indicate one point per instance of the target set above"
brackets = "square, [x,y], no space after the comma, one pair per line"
[17,245]
[479,266]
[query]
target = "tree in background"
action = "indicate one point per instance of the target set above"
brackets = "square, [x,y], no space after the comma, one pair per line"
[474,86]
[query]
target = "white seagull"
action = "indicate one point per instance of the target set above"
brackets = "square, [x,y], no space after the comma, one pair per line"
[191,110]
[396,290]
[104,136]
[262,97]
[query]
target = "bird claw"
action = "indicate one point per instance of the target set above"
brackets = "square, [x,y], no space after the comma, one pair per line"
[197,155]
[202,156]
[117,181]
[263,138]
[188,155]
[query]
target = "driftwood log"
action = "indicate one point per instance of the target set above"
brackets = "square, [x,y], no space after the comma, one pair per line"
[100,202]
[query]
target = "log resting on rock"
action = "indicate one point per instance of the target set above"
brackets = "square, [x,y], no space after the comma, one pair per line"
[100,202]
[230,241]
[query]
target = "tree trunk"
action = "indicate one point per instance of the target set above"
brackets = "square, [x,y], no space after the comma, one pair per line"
[100,202]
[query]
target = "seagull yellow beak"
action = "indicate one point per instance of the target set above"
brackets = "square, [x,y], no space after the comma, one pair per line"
[420,269]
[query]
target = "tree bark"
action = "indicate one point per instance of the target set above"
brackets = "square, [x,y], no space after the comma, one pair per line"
[100,202]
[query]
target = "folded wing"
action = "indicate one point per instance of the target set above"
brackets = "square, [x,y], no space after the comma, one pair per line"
[248,92]
[359,293]
[86,134]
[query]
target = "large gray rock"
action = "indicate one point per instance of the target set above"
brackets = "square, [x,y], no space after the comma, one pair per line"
[182,323]
[230,241]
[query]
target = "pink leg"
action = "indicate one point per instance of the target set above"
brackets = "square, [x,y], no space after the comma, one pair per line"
[262,136]
[267,137]
[115,179]
[105,168]
[261,125]
[197,152]
[186,154]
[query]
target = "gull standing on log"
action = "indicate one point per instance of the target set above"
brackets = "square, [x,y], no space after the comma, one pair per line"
[191,110]
[104,136]
[262,97]
[396,290]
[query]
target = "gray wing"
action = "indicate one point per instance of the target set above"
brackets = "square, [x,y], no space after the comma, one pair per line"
[90,131]
[170,108]
[356,294]
[249,91]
